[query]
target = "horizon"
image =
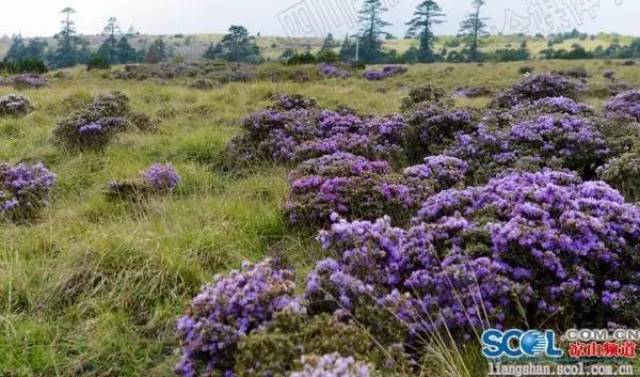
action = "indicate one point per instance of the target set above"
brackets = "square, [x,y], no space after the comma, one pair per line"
[310,18]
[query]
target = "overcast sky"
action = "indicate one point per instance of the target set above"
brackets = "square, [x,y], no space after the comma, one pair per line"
[310,17]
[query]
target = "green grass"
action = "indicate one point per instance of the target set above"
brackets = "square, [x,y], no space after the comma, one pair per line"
[94,288]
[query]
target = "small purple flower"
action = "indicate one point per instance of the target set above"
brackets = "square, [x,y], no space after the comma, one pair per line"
[162,177]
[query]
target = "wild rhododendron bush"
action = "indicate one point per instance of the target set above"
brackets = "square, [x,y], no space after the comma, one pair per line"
[95,126]
[441,220]
[24,190]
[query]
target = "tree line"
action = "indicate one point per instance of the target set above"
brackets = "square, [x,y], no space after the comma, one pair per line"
[238,45]
[71,49]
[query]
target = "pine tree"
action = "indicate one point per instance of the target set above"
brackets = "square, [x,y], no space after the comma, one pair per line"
[371,30]
[35,49]
[108,48]
[126,53]
[238,46]
[157,52]
[329,43]
[67,54]
[17,50]
[473,27]
[347,50]
[427,15]
[215,51]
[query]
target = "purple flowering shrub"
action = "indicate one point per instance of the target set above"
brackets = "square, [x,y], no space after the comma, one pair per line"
[24,190]
[276,348]
[475,92]
[157,179]
[625,105]
[387,71]
[623,173]
[331,71]
[14,104]
[426,96]
[287,102]
[95,126]
[331,365]
[536,87]
[374,138]
[28,81]
[350,186]
[161,177]
[552,140]
[441,172]
[495,255]
[286,136]
[226,311]
[431,130]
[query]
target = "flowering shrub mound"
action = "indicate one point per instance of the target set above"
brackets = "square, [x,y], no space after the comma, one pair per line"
[299,134]
[442,172]
[431,130]
[331,365]
[625,105]
[157,179]
[387,71]
[426,96]
[553,140]
[496,255]
[374,138]
[277,347]
[95,126]
[28,81]
[537,87]
[24,190]
[331,71]
[162,177]
[623,173]
[475,92]
[229,309]
[14,104]
[348,185]
[293,102]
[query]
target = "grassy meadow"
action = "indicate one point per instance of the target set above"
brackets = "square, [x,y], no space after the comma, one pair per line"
[94,287]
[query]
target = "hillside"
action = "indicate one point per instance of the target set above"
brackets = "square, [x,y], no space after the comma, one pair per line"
[192,47]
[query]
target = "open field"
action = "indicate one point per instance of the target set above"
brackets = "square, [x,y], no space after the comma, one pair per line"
[94,288]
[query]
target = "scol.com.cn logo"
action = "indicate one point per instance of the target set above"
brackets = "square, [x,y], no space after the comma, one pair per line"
[516,343]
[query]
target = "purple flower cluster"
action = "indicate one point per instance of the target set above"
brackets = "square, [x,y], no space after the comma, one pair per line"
[537,87]
[345,184]
[24,190]
[553,140]
[331,71]
[162,177]
[494,255]
[228,309]
[625,105]
[28,81]
[14,104]
[387,71]
[446,172]
[94,126]
[332,365]
[432,129]
[293,102]
[300,134]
